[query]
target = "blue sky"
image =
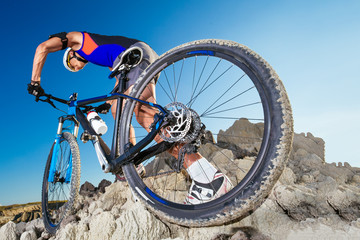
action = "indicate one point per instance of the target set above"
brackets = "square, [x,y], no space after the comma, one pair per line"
[313,46]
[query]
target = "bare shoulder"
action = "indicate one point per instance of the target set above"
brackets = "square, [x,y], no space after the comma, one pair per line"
[75,40]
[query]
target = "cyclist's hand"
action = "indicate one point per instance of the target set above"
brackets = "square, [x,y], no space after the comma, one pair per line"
[35,89]
[103,108]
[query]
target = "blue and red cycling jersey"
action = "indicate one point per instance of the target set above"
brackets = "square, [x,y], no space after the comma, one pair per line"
[103,50]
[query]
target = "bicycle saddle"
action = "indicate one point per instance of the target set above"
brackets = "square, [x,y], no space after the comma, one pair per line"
[129,59]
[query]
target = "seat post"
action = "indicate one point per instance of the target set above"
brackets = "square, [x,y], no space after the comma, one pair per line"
[120,88]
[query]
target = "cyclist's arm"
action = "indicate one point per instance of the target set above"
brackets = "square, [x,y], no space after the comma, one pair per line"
[52,45]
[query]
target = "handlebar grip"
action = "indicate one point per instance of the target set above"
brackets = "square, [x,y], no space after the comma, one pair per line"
[112,74]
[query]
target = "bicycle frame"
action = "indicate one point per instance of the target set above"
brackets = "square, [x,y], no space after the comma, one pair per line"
[114,159]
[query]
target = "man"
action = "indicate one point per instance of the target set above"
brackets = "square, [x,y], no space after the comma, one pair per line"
[82,47]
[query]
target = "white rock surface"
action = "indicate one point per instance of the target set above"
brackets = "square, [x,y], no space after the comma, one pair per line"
[8,232]
[311,200]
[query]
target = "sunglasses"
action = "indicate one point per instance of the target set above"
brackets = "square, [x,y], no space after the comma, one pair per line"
[77,58]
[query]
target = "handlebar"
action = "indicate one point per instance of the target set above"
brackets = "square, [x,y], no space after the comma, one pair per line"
[49,97]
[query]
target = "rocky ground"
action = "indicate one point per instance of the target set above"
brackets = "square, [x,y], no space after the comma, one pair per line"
[312,200]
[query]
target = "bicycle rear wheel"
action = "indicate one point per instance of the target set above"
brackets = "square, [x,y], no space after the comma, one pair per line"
[61,181]
[240,116]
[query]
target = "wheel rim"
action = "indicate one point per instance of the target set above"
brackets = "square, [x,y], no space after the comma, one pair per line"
[239,97]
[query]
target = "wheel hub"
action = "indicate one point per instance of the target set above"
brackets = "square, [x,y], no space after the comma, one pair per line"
[185,125]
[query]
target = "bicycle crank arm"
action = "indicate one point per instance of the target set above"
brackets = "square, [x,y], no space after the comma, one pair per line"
[105,166]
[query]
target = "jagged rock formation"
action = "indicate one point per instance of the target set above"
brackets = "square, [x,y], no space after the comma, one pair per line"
[20,213]
[312,200]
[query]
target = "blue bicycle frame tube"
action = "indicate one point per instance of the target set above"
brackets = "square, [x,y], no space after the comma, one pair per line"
[111,96]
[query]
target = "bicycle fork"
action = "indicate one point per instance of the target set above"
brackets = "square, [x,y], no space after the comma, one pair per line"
[58,140]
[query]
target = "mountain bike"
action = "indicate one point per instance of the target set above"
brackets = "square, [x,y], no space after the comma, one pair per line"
[214,97]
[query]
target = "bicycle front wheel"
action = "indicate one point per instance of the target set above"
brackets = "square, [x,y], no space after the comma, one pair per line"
[231,106]
[61,181]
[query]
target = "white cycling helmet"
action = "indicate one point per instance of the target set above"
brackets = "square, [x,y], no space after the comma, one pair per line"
[67,58]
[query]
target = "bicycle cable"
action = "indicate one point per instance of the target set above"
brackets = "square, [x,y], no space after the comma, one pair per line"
[47,100]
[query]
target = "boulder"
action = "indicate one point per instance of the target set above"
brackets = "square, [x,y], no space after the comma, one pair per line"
[310,144]
[250,135]
[87,189]
[8,231]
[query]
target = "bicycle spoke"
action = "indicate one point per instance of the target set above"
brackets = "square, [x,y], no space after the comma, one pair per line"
[222,95]
[156,170]
[192,86]
[175,187]
[230,109]
[202,71]
[164,90]
[234,118]
[201,91]
[181,72]
[238,95]
[163,191]
[236,136]
[230,160]
[168,82]
[192,98]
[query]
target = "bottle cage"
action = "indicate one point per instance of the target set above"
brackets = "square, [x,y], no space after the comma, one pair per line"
[129,59]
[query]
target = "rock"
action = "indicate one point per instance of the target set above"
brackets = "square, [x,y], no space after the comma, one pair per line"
[28,235]
[8,231]
[251,135]
[113,196]
[307,178]
[287,177]
[162,162]
[356,179]
[20,213]
[102,226]
[310,144]
[37,225]
[347,165]
[346,202]
[137,223]
[209,149]
[87,189]
[311,200]
[20,228]
[298,203]
[102,185]
[45,235]
[341,175]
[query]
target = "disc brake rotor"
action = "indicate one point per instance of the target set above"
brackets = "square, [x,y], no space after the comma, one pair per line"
[181,122]
[195,128]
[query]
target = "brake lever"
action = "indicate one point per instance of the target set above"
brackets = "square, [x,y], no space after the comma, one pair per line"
[47,100]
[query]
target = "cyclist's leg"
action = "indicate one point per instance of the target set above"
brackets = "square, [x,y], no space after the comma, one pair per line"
[201,171]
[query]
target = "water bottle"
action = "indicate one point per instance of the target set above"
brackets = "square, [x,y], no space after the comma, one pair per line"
[97,123]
